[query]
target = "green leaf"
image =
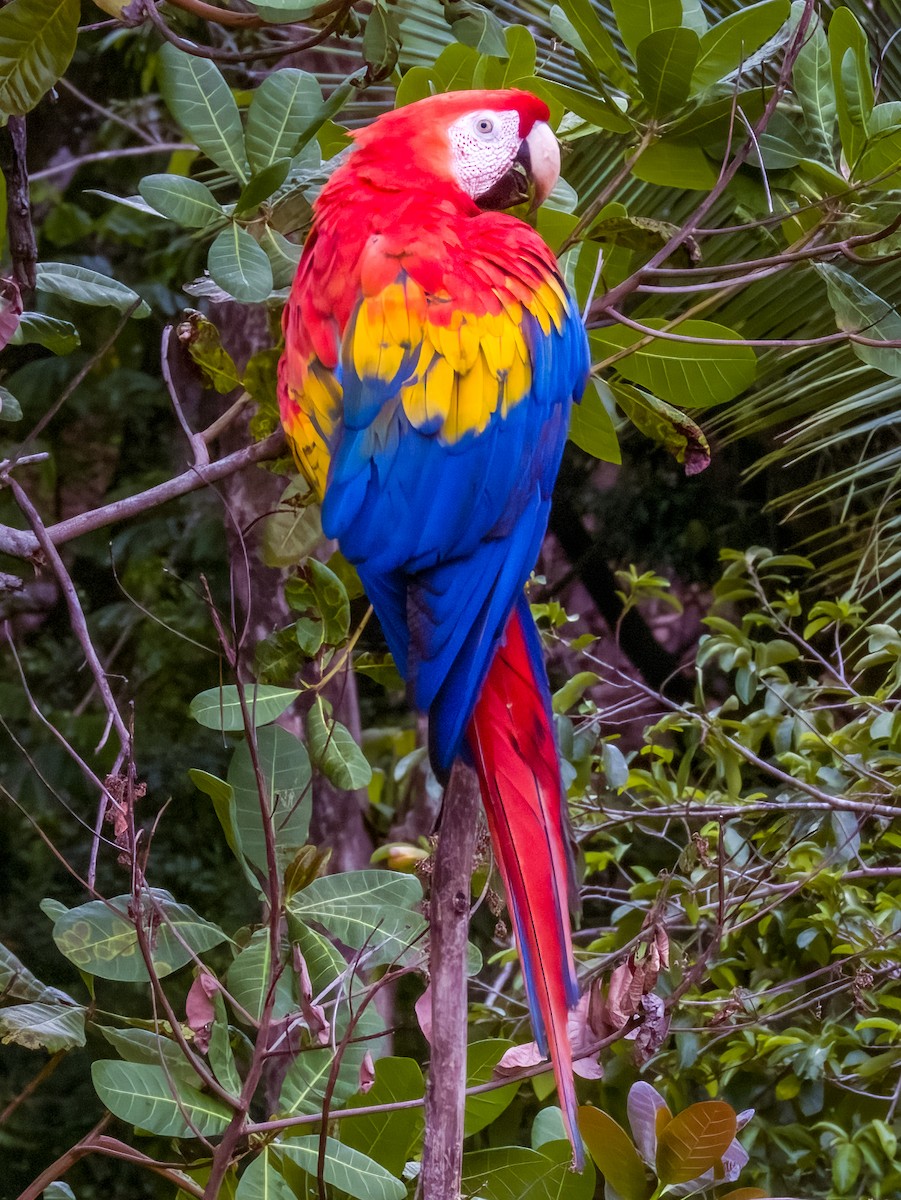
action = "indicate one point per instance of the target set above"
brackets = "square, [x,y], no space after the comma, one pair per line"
[733,40]
[676,164]
[857,94]
[474,25]
[201,339]
[308,1078]
[573,690]
[220,1054]
[881,157]
[513,1173]
[847,1162]
[283,257]
[145,1046]
[262,185]
[381,41]
[142,1095]
[100,938]
[371,909]
[858,310]
[485,1107]
[36,329]
[187,201]
[615,766]
[294,530]
[318,592]
[593,109]
[285,766]
[522,55]
[388,1137]
[220,708]
[581,28]
[694,1141]
[203,105]
[262,1181]
[283,107]
[10,408]
[615,1155]
[812,83]
[286,11]
[87,287]
[665,424]
[664,62]
[852,80]
[240,266]
[334,751]
[221,795]
[688,373]
[18,983]
[37,41]
[344,1168]
[381,668]
[40,1026]
[250,976]
[58,1191]
[638,19]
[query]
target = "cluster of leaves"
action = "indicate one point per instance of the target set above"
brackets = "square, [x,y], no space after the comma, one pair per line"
[784,900]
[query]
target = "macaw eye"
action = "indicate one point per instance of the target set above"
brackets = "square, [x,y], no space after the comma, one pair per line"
[484,126]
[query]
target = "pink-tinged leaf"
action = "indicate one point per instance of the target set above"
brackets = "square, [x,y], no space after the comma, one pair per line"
[743,1118]
[582,1038]
[517,1057]
[615,1156]
[423,1008]
[367,1072]
[200,1012]
[644,1107]
[694,1141]
[313,1014]
[734,1161]
[588,1068]
[10,309]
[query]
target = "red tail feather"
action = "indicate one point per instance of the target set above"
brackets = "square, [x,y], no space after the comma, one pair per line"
[512,742]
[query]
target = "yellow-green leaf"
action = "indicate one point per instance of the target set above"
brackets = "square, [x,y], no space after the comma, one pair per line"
[37,41]
[694,1141]
[612,1150]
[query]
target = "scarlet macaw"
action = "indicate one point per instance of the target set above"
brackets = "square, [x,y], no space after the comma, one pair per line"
[432,353]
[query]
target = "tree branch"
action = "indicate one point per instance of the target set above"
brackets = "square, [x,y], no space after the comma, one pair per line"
[442,1161]
[20,544]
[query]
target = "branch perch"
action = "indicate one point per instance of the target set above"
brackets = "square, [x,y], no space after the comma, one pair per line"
[449,928]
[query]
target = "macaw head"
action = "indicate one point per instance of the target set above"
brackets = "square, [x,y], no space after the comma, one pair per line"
[494,146]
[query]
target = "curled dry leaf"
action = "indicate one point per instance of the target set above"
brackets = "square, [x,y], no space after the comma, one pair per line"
[367,1073]
[313,1014]
[10,309]
[651,1033]
[518,1057]
[200,1013]
[582,1037]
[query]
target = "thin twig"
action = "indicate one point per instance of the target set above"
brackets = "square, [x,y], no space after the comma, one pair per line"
[76,618]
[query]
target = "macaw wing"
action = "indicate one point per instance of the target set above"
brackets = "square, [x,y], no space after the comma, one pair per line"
[456,391]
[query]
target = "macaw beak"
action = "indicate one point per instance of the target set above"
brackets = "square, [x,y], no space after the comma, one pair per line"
[540,155]
[531,176]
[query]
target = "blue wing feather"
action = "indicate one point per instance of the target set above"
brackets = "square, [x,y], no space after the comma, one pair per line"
[444,536]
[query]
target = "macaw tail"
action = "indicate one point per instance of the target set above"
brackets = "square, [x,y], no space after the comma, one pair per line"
[511,738]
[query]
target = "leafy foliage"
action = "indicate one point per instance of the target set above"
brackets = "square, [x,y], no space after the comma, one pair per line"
[751,823]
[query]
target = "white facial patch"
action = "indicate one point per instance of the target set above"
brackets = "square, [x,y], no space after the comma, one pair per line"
[484,145]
